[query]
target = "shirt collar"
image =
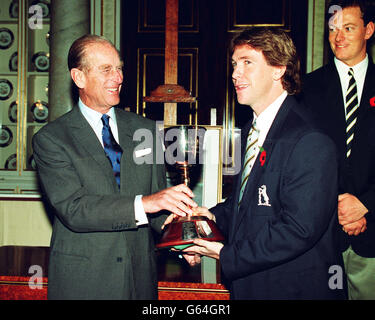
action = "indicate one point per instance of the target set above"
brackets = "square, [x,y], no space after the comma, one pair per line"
[94,117]
[265,119]
[359,69]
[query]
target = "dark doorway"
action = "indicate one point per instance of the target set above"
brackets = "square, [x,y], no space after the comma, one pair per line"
[205,29]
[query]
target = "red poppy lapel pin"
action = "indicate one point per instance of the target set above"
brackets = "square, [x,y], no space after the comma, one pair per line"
[262,157]
[372,102]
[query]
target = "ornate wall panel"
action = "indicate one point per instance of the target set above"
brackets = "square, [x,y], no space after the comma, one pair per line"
[24,66]
[151,16]
[151,74]
[244,13]
[206,26]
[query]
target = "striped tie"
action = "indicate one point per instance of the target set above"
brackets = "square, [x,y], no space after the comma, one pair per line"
[251,151]
[351,106]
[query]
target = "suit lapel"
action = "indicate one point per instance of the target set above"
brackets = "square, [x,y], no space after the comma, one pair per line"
[369,88]
[368,91]
[86,139]
[365,107]
[126,129]
[335,111]
[244,134]
[329,112]
[259,169]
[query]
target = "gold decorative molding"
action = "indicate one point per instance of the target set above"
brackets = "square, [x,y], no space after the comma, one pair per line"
[235,26]
[145,27]
[315,35]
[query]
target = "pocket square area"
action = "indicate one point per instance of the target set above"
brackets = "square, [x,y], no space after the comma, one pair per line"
[142,152]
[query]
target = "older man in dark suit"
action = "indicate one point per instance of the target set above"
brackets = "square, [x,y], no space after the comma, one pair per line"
[341,95]
[281,220]
[105,198]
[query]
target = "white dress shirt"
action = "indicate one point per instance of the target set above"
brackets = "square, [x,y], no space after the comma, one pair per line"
[265,120]
[94,119]
[359,76]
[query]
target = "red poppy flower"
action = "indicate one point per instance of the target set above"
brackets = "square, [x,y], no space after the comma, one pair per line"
[372,102]
[262,157]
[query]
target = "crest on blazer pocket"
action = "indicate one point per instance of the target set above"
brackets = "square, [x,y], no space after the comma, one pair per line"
[263,198]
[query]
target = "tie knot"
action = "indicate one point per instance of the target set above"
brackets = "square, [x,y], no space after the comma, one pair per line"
[105,120]
[351,72]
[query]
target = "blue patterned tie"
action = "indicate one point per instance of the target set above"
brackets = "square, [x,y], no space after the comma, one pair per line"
[111,148]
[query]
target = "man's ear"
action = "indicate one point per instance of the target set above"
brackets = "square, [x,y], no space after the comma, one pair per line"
[369,30]
[78,77]
[278,72]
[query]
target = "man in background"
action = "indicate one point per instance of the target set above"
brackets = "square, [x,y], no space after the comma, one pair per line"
[341,95]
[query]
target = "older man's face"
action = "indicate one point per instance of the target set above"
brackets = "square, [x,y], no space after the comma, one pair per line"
[103,79]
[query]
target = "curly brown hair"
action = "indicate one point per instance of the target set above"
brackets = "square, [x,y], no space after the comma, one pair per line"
[278,50]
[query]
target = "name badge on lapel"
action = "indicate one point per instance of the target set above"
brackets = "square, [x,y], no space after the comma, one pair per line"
[143,156]
[263,198]
[142,152]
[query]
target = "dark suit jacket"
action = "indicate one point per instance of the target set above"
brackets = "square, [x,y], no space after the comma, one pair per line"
[284,251]
[97,251]
[323,96]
